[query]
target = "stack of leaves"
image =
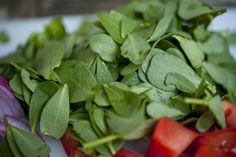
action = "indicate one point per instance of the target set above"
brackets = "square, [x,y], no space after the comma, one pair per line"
[114,77]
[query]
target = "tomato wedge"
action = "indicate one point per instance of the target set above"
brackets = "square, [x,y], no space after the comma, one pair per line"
[126,153]
[221,143]
[170,139]
[230,113]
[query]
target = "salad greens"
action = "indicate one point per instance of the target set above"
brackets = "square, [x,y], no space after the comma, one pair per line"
[114,77]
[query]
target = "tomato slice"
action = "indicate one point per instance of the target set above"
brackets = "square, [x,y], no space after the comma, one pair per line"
[230,113]
[221,143]
[170,139]
[126,153]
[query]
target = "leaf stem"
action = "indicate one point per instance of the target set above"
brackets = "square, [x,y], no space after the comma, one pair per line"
[203,102]
[100,141]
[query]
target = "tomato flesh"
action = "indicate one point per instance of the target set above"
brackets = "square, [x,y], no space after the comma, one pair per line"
[71,146]
[230,113]
[170,139]
[221,143]
[126,153]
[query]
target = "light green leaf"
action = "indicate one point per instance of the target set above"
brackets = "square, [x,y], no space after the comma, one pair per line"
[123,101]
[135,49]
[163,64]
[79,78]
[159,109]
[105,47]
[112,26]
[215,107]
[29,144]
[55,115]
[192,51]
[43,92]
[30,83]
[49,58]
[103,75]
[204,123]
[161,27]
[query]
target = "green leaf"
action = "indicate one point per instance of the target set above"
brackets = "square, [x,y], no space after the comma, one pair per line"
[43,92]
[161,28]
[27,94]
[123,101]
[4,37]
[159,109]
[128,25]
[124,125]
[103,75]
[112,26]
[101,98]
[221,75]
[105,47]
[204,123]
[55,115]
[29,144]
[99,119]
[16,84]
[55,29]
[49,58]
[192,51]
[5,148]
[215,107]
[181,83]
[135,49]
[85,131]
[189,9]
[30,83]
[79,78]
[163,64]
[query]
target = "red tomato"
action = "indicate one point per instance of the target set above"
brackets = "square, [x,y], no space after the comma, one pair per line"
[71,146]
[126,153]
[221,143]
[170,139]
[230,113]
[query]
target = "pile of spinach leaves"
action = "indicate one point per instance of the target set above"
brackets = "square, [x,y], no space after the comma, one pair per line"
[112,79]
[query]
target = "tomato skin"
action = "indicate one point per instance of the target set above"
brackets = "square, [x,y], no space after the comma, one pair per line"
[71,146]
[230,113]
[126,153]
[169,139]
[221,143]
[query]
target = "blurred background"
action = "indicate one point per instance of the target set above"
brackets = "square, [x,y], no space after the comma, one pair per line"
[38,8]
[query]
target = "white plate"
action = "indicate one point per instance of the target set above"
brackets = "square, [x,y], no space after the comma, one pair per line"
[20,29]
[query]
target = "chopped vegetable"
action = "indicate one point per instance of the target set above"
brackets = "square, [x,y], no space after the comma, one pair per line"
[115,77]
[230,113]
[220,143]
[169,139]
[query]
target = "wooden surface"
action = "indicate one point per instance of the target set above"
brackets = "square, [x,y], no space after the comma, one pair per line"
[35,8]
